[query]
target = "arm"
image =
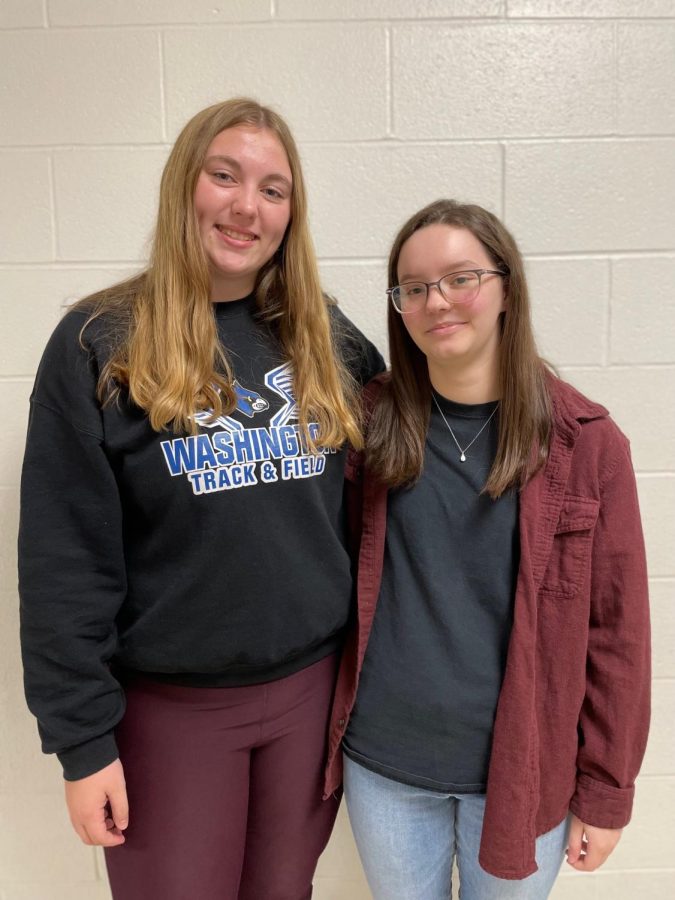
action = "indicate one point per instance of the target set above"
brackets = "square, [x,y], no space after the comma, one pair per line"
[72,578]
[71,584]
[614,717]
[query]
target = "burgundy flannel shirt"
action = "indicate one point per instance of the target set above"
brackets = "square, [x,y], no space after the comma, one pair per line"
[573,712]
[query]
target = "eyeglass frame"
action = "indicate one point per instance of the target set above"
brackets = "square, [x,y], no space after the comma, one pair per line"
[437,284]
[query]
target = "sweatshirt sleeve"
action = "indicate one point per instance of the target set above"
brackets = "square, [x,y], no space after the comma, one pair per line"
[614,718]
[71,564]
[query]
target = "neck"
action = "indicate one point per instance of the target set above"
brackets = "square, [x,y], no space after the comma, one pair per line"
[478,384]
[225,289]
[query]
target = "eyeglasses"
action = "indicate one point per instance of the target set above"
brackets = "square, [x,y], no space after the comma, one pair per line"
[457,287]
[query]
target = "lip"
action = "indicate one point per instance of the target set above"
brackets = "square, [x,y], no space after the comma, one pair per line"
[445,327]
[233,241]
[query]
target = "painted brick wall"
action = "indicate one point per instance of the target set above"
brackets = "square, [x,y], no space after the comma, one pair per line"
[557,114]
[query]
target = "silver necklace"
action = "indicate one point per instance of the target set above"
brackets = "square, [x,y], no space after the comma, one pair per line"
[462,452]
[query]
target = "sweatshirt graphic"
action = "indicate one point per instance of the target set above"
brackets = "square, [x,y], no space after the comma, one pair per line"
[236,454]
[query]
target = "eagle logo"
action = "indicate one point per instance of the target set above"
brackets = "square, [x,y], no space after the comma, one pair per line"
[249,402]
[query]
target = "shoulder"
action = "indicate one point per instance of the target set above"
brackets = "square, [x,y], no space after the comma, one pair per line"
[68,373]
[81,338]
[66,347]
[359,354]
[570,403]
[599,440]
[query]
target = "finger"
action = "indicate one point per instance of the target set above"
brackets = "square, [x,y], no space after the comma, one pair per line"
[593,858]
[119,807]
[100,836]
[575,840]
[82,834]
[110,826]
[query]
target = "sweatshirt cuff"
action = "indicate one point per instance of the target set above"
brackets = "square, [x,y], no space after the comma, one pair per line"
[601,805]
[85,759]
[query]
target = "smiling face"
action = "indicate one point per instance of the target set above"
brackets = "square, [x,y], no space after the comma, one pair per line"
[243,206]
[457,340]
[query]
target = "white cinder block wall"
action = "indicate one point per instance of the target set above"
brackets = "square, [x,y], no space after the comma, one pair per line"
[557,114]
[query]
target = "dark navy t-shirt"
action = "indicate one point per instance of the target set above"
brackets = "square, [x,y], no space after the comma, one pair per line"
[435,660]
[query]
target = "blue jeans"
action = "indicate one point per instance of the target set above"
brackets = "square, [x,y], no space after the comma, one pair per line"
[407,838]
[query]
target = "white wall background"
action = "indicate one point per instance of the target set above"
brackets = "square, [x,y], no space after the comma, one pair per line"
[559,115]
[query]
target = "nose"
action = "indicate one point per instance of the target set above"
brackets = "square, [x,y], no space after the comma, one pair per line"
[435,299]
[244,203]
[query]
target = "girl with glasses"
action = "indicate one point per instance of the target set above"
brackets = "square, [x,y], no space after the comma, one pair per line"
[493,700]
[185,584]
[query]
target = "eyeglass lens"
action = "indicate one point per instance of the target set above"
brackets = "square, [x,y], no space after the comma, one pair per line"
[458,287]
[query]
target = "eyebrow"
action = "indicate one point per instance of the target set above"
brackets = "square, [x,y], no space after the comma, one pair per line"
[458,266]
[230,161]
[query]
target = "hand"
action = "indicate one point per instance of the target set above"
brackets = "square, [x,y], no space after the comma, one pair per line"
[98,806]
[588,846]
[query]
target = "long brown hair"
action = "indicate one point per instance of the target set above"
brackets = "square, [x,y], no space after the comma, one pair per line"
[166,349]
[400,419]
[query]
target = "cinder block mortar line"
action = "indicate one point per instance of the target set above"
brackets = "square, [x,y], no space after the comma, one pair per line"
[62,264]
[16,379]
[606,337]
[389,80]
[664,678]
[572,256]
[615,80]
[45,13]
[42,265]
[41,148]
[502,159]
[614,254]
[619,367]
[276,22]
[407,20]
[580,20]
[382,142]
[162,91]
[52,206]
[662,579]
[356,261]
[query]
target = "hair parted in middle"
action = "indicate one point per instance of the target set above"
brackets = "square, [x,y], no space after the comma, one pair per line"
[400,419]
[170,358]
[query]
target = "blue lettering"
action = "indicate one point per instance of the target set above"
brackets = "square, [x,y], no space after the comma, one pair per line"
[221,441]
[269,443]
[205,454]
[195,479]
[302,467]
[241,442]
[289,440]
[179,455]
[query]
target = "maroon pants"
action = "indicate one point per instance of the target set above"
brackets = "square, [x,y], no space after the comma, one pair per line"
[224,789]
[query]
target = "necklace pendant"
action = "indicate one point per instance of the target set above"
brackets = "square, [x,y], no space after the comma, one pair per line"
[462,458]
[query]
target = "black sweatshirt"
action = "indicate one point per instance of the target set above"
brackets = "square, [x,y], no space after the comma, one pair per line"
[215,559]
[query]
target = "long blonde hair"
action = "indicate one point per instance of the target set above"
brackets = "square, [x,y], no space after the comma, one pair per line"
[400,419]
[166,350]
